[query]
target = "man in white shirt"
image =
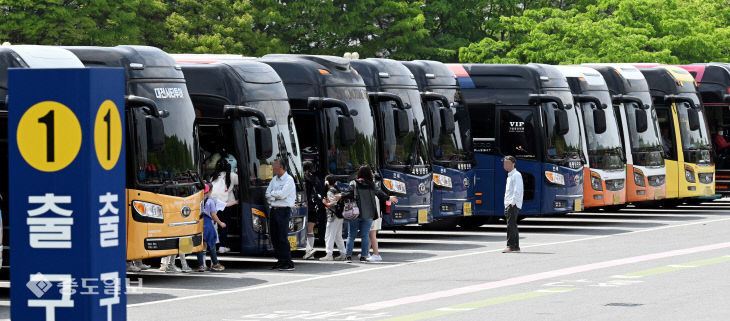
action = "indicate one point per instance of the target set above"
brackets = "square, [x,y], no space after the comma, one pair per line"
[281,194]
[513,193]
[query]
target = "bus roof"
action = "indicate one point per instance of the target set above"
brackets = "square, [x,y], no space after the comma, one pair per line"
[306,76]
[583,79]
[31,56]
[713,80]
[431,74]
[506,76]
[239,82]
[621,79]
[662,81]
[139,62]
[379,72]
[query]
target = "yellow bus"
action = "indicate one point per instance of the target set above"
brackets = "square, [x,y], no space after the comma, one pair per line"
[685,137]
[163,182]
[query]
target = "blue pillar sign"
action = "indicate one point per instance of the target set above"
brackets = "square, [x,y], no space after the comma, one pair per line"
[67,194]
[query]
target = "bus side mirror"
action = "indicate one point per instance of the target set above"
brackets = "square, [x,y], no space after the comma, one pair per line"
[400,120]
[264,145]
[347,130]
[642,120]
[562,125]
[599,120]
[694,119]
[447,120]
[155,134]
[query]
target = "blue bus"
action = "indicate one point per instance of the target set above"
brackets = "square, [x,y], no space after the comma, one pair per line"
[450,149]
[525,111]
[242,110]
[403,138]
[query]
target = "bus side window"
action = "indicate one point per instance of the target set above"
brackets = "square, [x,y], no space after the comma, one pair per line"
[665,128]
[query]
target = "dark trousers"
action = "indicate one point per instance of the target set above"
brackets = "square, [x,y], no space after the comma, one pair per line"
[279,230]
[513,235]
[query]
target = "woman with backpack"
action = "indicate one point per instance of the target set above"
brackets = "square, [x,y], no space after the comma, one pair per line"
[360,209]
[333,232]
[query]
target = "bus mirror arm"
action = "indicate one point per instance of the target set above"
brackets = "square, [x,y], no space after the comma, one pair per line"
[379,97]
[132,101]
[629,99]
[536,99]
[432,96]
[589,99]
[675,98]
[245,111]
[315,103]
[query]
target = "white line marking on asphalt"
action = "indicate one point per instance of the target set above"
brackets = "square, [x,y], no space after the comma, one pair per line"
[626,276]
[266,286]
[681,266]
[454,309]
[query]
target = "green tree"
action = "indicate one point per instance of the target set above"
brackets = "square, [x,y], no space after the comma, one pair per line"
[666,31]
[216,26]
[99,22]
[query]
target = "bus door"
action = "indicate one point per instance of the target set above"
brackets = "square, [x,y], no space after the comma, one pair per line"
[669,142]
[518,136]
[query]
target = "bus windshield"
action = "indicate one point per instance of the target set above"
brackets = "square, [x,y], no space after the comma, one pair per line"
[604,149]
[561,148]
[346,160]
[646,146]
[411,149]
[450,147]
[167,171]
[695,143]
[284,139]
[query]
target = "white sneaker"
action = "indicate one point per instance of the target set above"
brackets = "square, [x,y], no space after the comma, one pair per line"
[186,269]
[131,267]
[309,255]
[140,265]
[374,258]
[171,268]
[327,257]
[341,257]
[223,249]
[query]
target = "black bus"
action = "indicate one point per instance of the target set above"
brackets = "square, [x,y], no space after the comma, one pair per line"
[243,110]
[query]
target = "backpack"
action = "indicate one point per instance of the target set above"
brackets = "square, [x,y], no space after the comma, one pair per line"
[350,211]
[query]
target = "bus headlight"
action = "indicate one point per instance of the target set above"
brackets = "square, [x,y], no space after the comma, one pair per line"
[596,182]
[395,186]
[639,178]
[689,174]
[258,220]
[442,180]
[148,209]
[555,178]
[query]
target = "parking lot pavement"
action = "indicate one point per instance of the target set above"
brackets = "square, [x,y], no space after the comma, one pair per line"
[641,263]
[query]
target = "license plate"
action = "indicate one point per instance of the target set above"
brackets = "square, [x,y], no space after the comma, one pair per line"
[616,198]
[292,243]
[658,195]
[422,216]
[577,207]
[185,245]
[467,209]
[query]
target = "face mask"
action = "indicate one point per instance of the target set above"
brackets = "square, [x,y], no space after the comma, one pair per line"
[720,133]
